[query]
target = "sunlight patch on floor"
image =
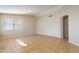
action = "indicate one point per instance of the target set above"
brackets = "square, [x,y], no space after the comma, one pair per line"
[21,42]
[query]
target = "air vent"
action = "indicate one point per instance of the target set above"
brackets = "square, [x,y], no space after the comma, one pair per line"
[50,15]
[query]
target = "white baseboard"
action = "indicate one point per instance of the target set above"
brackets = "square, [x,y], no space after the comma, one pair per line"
[49,35]
[15,36]
[74,43]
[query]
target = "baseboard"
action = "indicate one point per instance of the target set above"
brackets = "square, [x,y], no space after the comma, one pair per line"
[17,36]
[74,43]
[49,36]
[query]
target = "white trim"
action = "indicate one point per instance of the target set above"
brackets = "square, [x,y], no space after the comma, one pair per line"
[49,35]
[74,43]
[14,36]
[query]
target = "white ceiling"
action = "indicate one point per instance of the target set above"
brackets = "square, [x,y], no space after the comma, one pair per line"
[24,9]
[35,10]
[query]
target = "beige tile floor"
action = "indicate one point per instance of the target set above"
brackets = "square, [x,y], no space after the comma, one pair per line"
[37,44]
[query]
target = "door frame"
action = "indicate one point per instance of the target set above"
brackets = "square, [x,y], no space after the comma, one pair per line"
[61,26]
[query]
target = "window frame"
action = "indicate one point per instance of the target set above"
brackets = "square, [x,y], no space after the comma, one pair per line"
[13,25]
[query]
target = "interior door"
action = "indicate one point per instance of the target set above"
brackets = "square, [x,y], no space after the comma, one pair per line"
[65,27]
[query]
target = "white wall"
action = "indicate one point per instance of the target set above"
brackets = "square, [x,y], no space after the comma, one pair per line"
[28,25]
[52,26]
[48,25]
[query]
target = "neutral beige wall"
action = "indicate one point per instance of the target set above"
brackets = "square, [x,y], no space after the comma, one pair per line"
[0,26]
[52,26]
[48,25]
[28,25]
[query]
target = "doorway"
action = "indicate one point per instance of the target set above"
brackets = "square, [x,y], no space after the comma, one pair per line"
[65,27]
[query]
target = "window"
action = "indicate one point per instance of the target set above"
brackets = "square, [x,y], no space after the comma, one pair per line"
[17,25]
[8,24]
[12,24]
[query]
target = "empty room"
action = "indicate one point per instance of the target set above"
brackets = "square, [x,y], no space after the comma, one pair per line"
[39,29]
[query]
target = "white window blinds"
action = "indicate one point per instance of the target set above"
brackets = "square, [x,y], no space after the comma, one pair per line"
[12,24]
